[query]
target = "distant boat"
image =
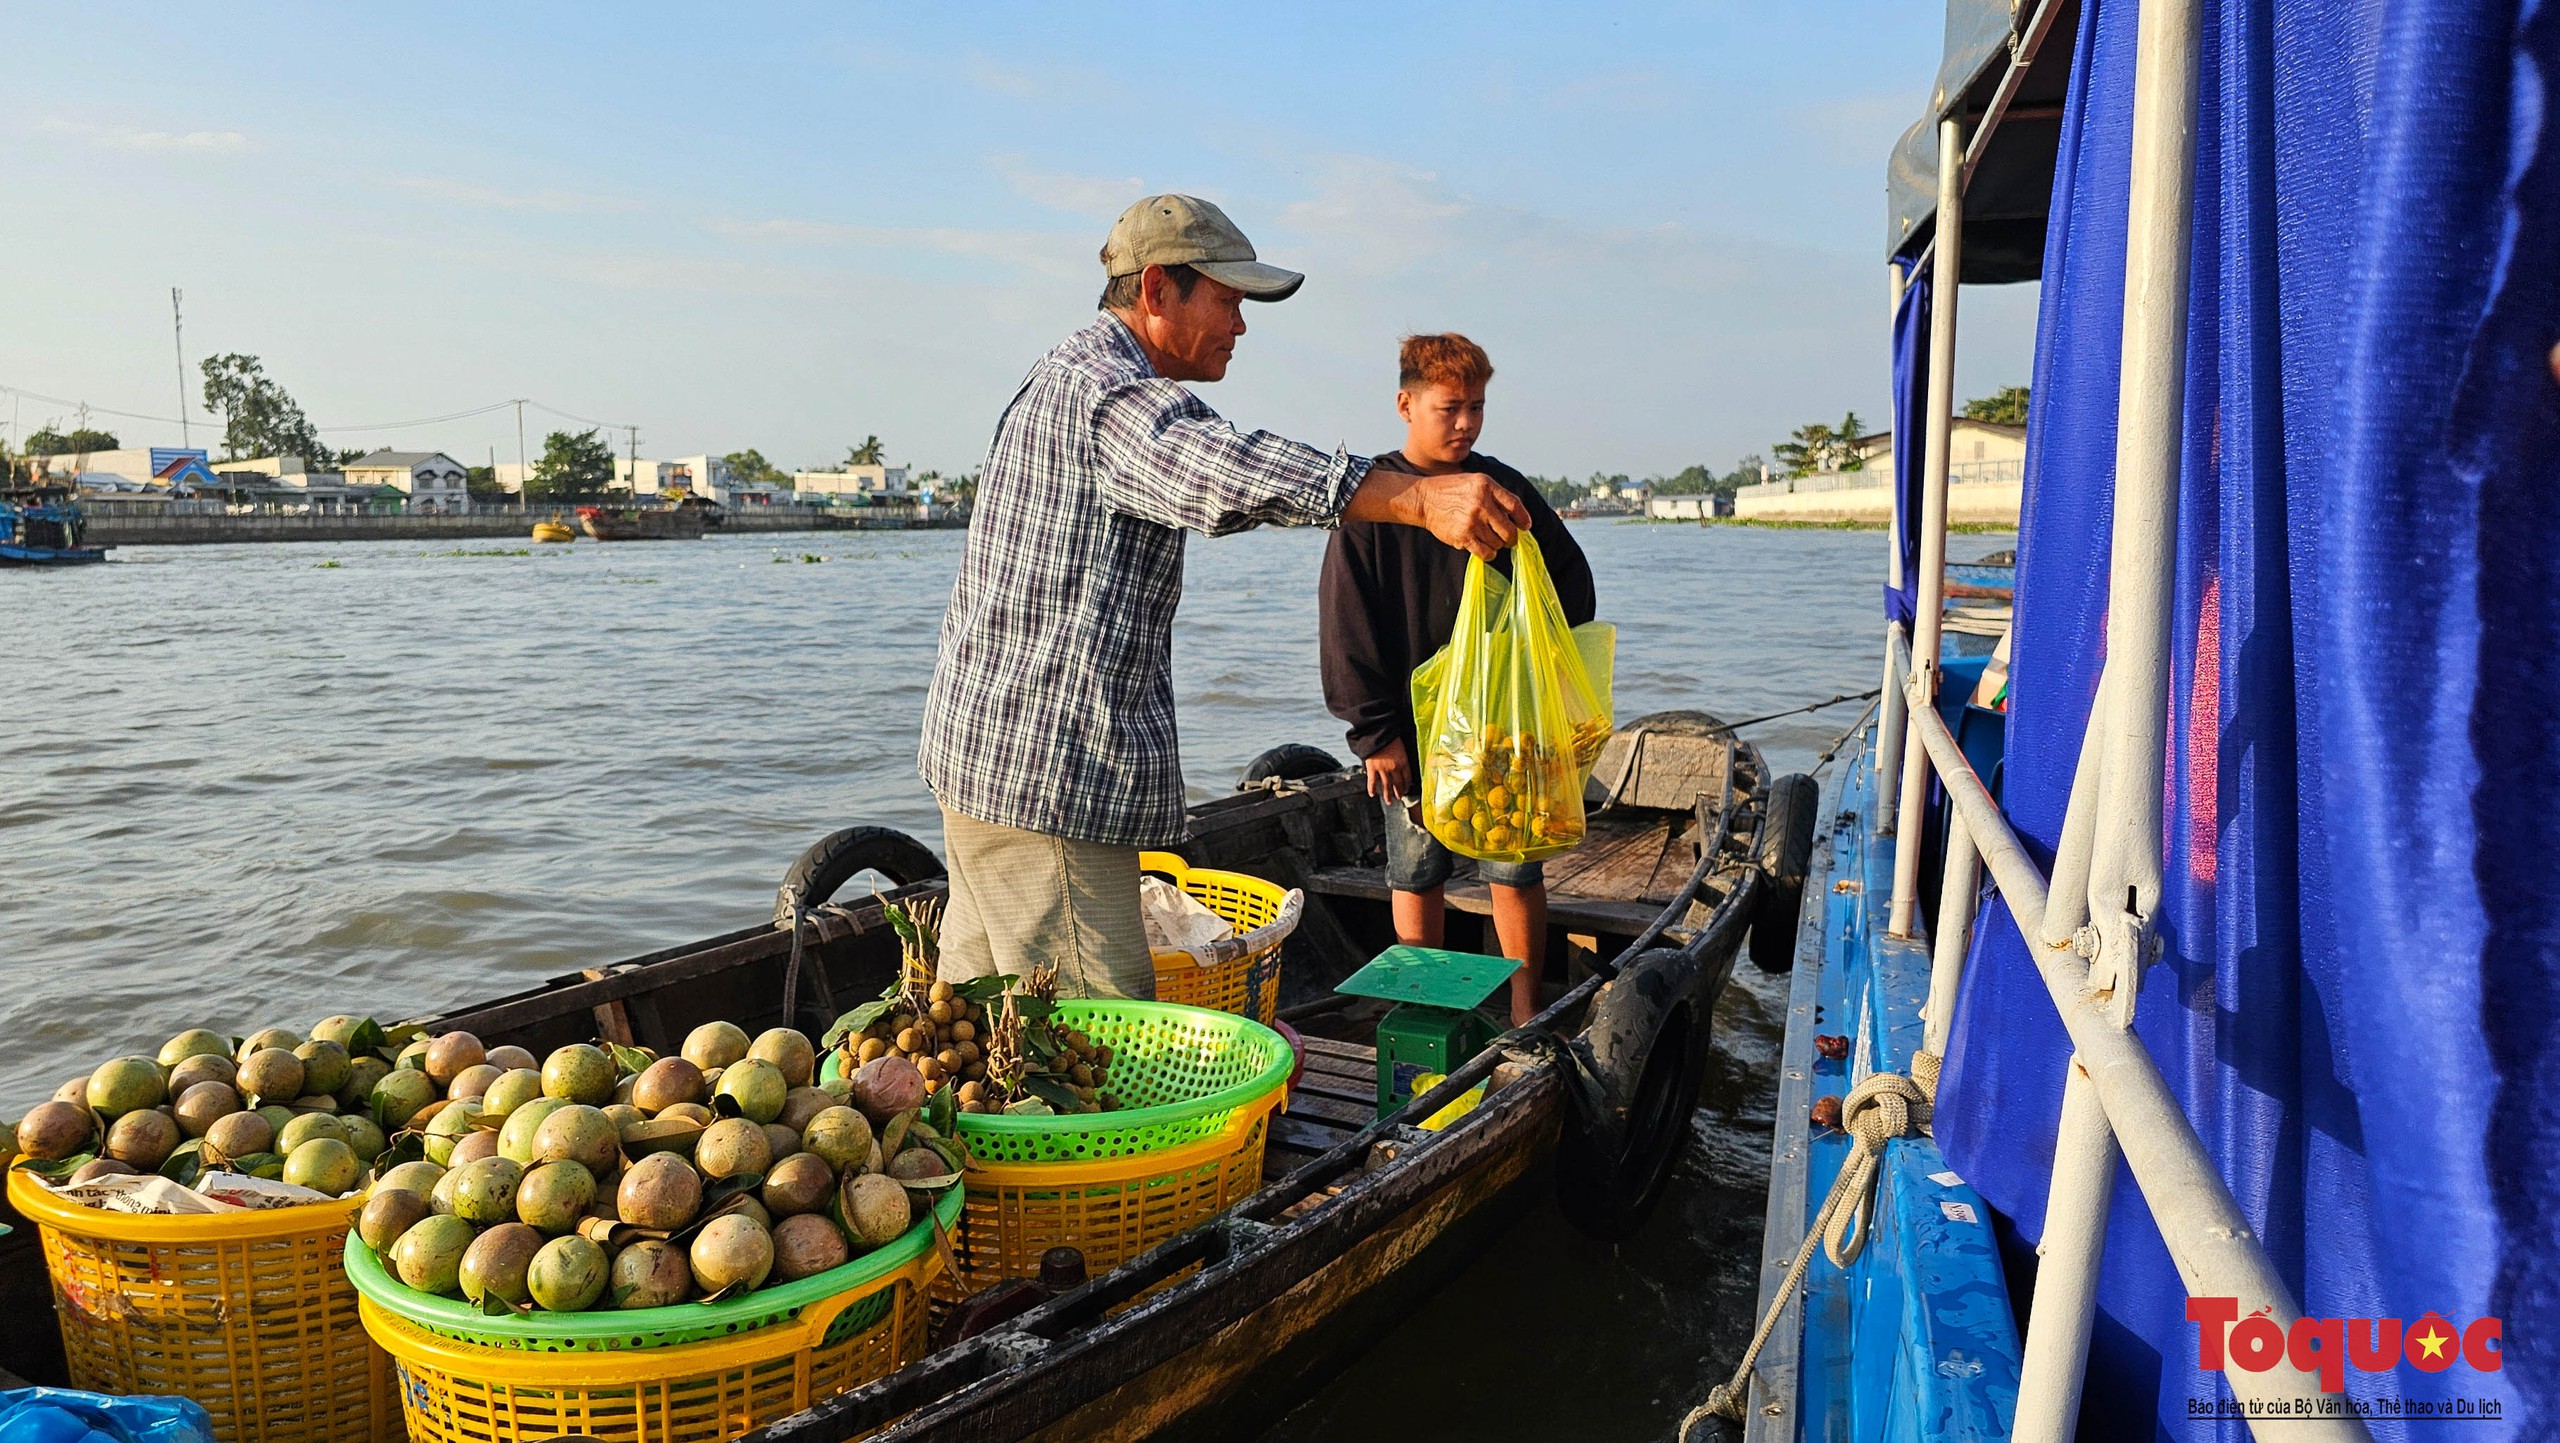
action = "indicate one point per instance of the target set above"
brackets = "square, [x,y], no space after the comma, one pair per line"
[553,531]
[644,523]
[42,526]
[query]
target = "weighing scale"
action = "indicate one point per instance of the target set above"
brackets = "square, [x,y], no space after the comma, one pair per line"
[1434,1026]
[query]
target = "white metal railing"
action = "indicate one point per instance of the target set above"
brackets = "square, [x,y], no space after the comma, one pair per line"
[2091,932]
[2215,1249]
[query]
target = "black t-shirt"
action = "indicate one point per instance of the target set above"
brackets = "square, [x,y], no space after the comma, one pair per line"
[1389,598]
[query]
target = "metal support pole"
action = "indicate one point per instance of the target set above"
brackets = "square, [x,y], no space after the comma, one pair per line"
[1946,271]
[1891,709]
[2124,871]
[2069,909]
[2075,1237]
[1956,892]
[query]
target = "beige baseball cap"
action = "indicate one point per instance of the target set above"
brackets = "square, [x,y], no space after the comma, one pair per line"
[1184,230]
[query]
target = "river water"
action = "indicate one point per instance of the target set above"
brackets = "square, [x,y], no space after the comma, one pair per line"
[253,785]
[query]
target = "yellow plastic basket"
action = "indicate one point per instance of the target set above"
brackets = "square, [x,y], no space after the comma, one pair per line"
[458,1392]
[247,1313]
[1110,1210]
[1243,973]
[1114,1184]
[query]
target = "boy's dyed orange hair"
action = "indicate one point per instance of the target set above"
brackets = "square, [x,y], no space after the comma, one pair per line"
[1447,359]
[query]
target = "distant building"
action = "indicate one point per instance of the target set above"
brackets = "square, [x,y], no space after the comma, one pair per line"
[1986,475]
[1682,508]
[864,480]
[432,480]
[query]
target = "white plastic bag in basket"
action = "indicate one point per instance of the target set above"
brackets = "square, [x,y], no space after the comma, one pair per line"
[1177,922]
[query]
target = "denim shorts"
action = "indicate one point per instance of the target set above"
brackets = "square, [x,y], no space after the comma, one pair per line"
[1417,862]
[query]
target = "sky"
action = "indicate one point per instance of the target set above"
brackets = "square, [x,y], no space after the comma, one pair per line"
[789,228]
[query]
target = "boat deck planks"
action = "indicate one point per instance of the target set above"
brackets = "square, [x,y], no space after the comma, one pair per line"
[1335,1097]
[1599,915]
[1646,860]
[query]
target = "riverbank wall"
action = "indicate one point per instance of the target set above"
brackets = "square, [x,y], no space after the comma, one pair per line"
[233,530]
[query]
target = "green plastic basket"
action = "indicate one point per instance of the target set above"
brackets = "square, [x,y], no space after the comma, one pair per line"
[612,1329]
[1180,1071]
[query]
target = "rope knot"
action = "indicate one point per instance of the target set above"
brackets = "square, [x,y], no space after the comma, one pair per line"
[1885,1106]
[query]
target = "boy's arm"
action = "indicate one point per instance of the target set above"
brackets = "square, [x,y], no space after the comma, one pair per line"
[1363,685]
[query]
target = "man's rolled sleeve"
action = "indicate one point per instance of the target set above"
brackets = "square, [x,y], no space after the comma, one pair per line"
[1169,459]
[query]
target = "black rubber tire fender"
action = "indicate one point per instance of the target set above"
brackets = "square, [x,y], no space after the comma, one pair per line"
[1641,1059]
[1786,854]
[1290,762]
[838,857]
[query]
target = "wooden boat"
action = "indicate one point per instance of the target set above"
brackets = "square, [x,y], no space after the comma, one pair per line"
[1696,848]
[42,526]
[644,523]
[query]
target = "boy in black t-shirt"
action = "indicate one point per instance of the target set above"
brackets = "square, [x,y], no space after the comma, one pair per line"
[1387,601]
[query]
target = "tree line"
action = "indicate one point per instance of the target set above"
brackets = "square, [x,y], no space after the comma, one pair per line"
[1814,446]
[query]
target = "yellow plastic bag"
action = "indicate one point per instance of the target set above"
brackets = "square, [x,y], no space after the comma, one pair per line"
[1512,713]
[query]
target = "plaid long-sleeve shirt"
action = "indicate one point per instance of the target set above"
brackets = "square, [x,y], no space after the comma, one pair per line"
[1052,702]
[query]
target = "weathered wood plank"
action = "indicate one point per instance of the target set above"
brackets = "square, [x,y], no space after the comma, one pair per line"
[1580,914]
[1307,1103]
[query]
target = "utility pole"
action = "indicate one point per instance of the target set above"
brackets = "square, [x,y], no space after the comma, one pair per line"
[634,478]
[178,332]
[524,474]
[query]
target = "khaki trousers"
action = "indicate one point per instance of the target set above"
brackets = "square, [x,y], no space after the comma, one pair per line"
[1020,897]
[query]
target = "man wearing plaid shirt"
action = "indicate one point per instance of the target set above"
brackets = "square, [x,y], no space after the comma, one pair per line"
[1049,732]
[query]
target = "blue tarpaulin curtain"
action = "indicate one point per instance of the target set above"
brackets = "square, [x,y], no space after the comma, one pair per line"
[1910,408]
[2359,998]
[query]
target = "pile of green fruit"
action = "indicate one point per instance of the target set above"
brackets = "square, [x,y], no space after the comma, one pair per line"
[316,1110]
[614,1178]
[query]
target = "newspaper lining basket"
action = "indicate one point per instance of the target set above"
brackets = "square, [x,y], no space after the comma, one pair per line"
[1243,975]
[247,1313]
[1115,1184]
[594,1373]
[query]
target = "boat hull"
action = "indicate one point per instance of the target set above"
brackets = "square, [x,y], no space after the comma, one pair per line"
[1218,1324]
[678,523]
[51,555]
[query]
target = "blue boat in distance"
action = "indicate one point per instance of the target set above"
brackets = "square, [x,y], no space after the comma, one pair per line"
[42,526]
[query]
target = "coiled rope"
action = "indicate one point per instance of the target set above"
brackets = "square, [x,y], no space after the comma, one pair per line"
[1885,1106]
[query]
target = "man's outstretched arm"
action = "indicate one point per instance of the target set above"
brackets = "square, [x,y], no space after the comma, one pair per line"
[1468,510]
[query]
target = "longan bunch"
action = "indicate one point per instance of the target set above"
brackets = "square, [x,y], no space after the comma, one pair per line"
[1077,1064]
[946,1039]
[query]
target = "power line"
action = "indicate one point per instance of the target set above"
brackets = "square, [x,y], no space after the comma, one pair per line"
[463,415]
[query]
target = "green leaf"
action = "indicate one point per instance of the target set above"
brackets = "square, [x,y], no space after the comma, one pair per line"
[272,1171]
[942,1109]
[257,1164]
[1033,1009]
[403,1147]
[183,1167]
[629,1061]
[1053,1092]
[366,1038]
[852,1023]
[58,1169]
[491,1305]
[985,989]
[895,1137]
[902,924]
